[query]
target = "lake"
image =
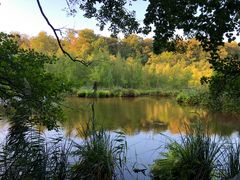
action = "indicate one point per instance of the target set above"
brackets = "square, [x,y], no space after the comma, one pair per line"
[148,123]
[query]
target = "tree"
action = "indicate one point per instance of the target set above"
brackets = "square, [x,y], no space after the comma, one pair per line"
[27,91]
[206,20]
[105,11]
[81,44]
[132,46]
[44,43]
[22,39]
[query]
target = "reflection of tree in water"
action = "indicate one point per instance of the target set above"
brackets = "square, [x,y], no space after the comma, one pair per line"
[27,155]
[146,114]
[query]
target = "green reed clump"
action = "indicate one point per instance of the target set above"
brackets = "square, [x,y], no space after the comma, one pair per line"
[81,93]
[85,93]
[27,155]
[100,156]
[104,93]
[58,152]
[230,163]
[194,157]
[130,93]
[193,97]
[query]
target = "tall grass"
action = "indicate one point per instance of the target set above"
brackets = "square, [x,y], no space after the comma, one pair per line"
[101,157]
[230,165]
[194,157]
[27,155]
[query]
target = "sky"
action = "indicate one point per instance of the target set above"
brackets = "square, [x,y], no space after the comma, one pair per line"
[23,16]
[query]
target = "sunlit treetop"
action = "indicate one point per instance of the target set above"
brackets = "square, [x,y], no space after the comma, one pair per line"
[206,20]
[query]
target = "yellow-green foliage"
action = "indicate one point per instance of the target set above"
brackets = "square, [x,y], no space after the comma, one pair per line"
[128,62]
[177,70]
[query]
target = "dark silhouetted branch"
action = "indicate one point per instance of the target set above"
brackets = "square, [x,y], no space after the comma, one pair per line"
[58,39]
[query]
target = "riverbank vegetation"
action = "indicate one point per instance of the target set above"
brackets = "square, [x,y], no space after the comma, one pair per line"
[27,153]
[128,67]
[198,156]
[35,74]
[122,92]
[32,85]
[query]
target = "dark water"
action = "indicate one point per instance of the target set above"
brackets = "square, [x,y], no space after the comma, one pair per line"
[147,121]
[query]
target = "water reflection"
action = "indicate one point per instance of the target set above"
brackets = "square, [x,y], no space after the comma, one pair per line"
[142,119]
[144,114]
[26,153]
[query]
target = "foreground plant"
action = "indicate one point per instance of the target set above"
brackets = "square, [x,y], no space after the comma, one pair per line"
[101,157]
[230,165]
[27,154]
[27,90]
[194,157]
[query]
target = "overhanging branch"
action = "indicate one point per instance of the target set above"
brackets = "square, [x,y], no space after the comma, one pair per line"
[58,39]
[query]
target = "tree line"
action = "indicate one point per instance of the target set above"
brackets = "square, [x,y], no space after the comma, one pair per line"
[128,62]
[131,63]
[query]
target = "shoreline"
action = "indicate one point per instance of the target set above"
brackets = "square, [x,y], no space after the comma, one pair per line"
[122,92]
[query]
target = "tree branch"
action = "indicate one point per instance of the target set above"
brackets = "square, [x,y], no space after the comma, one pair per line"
[58,39]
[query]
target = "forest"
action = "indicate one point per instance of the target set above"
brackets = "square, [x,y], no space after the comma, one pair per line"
[128,67]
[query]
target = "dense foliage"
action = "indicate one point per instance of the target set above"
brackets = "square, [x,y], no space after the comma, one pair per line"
[27,90]
[127,62]
[130,63]
[209,22]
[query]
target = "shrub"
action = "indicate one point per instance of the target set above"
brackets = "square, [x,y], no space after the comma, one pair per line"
[104,93]
[82,93]
[193,97]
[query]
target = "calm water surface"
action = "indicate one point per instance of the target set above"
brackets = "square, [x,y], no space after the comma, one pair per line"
[148,122]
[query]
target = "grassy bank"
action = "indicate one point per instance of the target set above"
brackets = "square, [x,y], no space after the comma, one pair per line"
[121,92]
[224,103]
[189,97]
[193,97]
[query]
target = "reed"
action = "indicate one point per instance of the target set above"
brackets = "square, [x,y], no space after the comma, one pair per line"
[194,157]
[99,156]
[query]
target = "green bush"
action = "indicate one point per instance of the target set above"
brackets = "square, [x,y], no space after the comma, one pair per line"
[104,93]
[193,97]
[130,93]
[82,93]
[230,104]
